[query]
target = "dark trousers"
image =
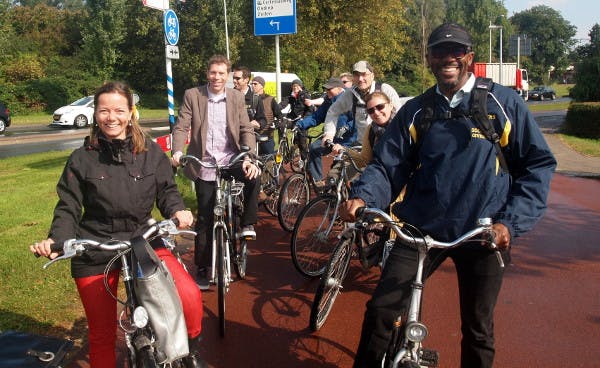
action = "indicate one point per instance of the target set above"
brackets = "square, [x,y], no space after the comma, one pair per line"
[267,146]
[205,195]
[479,281]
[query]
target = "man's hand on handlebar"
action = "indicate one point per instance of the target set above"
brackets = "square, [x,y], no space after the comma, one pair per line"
[349,207]
[501,236]
[43,249]
[251,171]
[175,159]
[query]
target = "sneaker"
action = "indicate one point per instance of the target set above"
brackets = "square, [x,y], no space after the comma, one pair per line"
[202,279]
[247,233]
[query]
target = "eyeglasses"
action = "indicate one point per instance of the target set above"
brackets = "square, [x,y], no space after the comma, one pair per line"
[237,78]
[455,51]
[381,106]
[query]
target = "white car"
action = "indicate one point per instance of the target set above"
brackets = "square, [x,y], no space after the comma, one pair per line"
[79,114]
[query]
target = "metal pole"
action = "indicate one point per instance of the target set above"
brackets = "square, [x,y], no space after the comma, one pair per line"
[226,32]
[500,82]
[277,68]
[490,28]
[518,51]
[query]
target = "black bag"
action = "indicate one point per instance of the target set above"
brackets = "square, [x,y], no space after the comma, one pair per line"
[19,349]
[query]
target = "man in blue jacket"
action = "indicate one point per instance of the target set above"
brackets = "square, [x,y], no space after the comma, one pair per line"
[453,177]
[345,126]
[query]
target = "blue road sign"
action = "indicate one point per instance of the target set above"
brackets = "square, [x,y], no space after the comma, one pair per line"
[274,17]
[171,26]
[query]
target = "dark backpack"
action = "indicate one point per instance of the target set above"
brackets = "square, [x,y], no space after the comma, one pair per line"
[477,112]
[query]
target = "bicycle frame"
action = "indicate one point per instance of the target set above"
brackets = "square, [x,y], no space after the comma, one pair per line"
[408,335]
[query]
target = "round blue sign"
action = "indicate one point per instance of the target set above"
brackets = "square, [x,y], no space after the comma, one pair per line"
[171,26]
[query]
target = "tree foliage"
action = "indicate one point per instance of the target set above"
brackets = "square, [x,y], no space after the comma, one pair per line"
[552,36]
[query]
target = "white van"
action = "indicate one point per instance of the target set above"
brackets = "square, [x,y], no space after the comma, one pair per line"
[270,82]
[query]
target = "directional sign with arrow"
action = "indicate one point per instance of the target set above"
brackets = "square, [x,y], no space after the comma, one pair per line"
[274,17]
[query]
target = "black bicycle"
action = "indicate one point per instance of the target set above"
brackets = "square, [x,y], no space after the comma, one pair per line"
[227,247]
[315,232]
[142,348]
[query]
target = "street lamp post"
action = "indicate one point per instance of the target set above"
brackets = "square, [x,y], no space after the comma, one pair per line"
[493,26]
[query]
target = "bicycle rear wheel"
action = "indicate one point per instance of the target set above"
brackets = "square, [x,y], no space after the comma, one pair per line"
[221,284]
[330,284]
[314,236]
[294,195]
[269,181]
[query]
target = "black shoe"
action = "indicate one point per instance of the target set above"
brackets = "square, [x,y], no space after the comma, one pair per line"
[194,361]
[202,279]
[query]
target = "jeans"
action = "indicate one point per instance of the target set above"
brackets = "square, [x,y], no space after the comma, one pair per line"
[479,282]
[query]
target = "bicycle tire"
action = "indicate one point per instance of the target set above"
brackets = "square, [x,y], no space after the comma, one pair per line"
[238,247]
[331,281]
[221,285]
[270,185]
[293,197]
[314,236]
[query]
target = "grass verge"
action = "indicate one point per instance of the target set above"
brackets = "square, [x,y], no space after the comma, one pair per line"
[31,299]
[585,146]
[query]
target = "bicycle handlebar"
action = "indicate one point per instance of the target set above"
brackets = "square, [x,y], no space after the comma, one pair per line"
[75,247]
[213,165]
[343,155]
[484,228]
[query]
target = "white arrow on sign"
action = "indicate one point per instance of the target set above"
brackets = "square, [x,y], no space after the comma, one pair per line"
[273,22]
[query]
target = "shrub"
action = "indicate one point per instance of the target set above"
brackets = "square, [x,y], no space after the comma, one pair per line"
[583,120]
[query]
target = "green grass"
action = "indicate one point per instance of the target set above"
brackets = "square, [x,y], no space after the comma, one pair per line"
[585,146]
[31,299]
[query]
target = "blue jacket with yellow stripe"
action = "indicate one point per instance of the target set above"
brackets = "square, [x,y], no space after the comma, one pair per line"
[454,177]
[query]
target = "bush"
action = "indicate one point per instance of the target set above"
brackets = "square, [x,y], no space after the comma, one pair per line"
[583,120]
[587,79]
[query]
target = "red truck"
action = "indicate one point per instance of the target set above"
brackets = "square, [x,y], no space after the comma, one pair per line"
[512,76]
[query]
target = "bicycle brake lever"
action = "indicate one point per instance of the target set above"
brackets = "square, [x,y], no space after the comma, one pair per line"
[70,248]
[188,232]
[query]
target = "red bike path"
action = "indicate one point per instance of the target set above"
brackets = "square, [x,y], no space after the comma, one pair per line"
[548,312]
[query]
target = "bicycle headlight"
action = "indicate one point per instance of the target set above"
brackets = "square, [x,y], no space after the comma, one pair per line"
[278,158]
[416,332]
[140,317]
[219,211]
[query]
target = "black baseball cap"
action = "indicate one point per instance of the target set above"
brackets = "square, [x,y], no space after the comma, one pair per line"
[449,32]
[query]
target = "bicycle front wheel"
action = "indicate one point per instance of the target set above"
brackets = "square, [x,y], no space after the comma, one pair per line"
[294,195]
[314,236]
[330,284]
[221,274]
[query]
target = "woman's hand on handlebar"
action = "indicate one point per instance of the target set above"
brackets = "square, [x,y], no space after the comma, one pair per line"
[349,207]
[337,148]
[43,249]
[185,217]
[251,171]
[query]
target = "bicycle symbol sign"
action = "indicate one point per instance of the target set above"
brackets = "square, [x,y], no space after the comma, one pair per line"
[171,26]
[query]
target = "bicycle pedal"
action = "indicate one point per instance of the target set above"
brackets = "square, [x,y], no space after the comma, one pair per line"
[429,358]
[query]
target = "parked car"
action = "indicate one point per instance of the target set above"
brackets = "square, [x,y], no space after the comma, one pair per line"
[541,93]
[79,114]
[4,117]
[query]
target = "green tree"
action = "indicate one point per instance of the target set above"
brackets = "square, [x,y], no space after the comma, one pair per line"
[103,35]
[587,78]
[551,37]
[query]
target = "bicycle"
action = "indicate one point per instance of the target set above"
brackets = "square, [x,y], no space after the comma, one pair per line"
[142,348]
[296,189]
[227,247]
[405,348]
[271,172]
[318,224]
[368,240]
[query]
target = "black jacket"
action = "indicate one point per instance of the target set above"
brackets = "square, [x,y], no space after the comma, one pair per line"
[108,192]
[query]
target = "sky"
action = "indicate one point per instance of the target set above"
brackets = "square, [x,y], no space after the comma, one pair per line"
[583,14]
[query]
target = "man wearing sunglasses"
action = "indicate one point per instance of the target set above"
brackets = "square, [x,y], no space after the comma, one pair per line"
[453,177]
[353,102]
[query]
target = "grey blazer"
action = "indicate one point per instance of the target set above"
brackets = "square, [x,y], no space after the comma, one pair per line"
[193,118]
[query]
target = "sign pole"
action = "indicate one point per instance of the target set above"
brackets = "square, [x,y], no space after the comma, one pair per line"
[277,69]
